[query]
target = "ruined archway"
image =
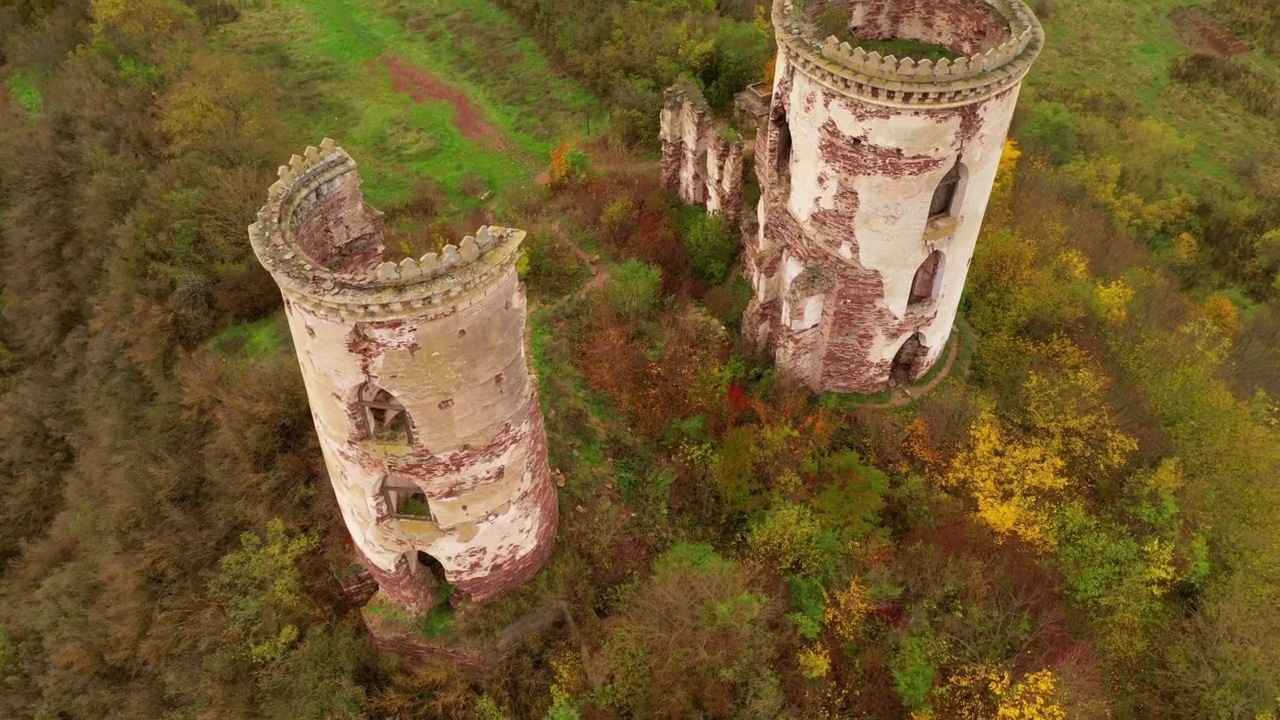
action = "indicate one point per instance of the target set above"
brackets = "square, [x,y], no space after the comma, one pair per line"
[904,362]
[927,280]
[944,195]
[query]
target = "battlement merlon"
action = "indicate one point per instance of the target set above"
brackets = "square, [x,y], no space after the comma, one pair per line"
[906,82]
[373,290]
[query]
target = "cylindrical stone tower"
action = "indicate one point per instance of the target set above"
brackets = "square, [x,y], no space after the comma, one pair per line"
[875,174]
[418,384]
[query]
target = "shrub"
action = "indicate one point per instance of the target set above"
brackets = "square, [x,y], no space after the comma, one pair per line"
[1254,89]
[633,289]
[1051,128]
[618,218]
[711,246]
[260,587]
[694,624]
[790,539]
[913,667]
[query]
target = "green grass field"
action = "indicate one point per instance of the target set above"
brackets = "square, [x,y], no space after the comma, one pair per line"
[1127,48]
[332,53]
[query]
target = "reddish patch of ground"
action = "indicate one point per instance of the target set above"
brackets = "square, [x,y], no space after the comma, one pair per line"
[422,85]
[1204,34]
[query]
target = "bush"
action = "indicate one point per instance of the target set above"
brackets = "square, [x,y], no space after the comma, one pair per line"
[790,539]
[741,51]
[711,246]
[1254,89]
[695,623]
[914,668]
[633,289]
[1051,128]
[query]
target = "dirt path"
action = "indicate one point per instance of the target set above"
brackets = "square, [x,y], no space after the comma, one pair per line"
[1204,34]
[421,85]
[598,276]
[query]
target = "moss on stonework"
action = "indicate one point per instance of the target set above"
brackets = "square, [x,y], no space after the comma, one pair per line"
[435,623]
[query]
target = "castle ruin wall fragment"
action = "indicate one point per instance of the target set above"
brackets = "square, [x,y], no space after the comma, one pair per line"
[419,387]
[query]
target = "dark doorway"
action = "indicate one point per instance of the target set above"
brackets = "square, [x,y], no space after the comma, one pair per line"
[905,361]
[431,565]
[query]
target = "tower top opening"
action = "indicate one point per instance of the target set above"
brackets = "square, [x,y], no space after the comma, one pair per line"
[324,245]
[936,53]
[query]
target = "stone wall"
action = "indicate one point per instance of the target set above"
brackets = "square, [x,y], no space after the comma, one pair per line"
[848,172]
[442,338]
[699,161]
[964,26]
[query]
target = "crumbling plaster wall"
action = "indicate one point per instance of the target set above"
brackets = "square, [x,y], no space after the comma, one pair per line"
[444,335]
[854,200]
[479,448]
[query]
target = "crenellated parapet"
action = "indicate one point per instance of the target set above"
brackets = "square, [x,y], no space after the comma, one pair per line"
[354,283]
[893,81]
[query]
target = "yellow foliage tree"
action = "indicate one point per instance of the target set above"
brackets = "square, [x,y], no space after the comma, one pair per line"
[1113,300]
[1185,248]
[847,609]
[1032,698]
[139,19]
[1223,313]
[1014,482]
[814,662]
[1005,170]
[1064,410]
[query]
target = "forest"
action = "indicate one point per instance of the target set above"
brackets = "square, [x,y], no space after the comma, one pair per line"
[1077,522]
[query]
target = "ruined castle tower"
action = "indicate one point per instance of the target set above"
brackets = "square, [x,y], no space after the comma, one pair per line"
[875,174]
[418,384]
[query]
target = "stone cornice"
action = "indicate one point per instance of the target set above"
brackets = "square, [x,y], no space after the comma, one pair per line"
[389,290]
[905,82]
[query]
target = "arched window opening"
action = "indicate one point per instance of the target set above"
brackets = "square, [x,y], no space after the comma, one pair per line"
[905,361]
[782,146]
[924,286]
[405,499]
[945,194]
[385,419]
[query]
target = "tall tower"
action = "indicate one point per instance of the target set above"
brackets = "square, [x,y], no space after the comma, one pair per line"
[418,384]
[875,174]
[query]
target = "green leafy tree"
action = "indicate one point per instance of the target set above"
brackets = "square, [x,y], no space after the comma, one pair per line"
[634,288]
[694,624]
[260,588]
[711,246]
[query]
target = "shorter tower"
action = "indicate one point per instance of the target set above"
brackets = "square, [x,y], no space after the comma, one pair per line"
[875,173]
[427,416]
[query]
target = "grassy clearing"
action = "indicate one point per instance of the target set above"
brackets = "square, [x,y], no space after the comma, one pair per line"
[331,52]
[1126,48]
[26,93]
[254,341]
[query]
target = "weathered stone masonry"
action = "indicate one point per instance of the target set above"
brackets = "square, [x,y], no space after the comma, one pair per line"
[875,175]
[418,384]
[699,161]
